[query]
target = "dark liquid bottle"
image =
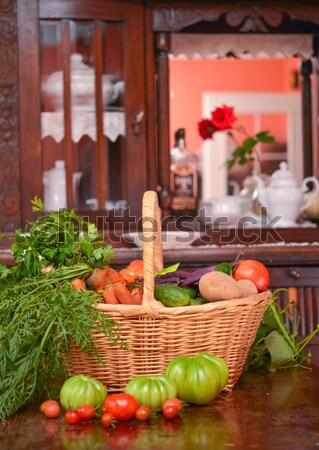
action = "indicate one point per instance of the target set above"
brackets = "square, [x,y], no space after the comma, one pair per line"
[183,178]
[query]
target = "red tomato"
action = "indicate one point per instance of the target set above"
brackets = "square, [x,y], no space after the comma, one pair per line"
[52,410]
[143,413]
[86,412]
[254,271]
[173,402]
[72,417]
[170,412]
[47,402]
[122,405]
[107,418]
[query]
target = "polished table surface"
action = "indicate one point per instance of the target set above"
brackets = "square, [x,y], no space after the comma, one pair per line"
[264,411]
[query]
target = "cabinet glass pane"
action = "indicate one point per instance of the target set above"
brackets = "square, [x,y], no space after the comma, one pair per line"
[54,193]
[96,114]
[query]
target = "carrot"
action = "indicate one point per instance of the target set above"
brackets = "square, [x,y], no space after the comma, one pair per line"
[137,296]
[78,283]
[128,275]
[110,296]
[114,276]
[123,294]
[137,265]
[98,279]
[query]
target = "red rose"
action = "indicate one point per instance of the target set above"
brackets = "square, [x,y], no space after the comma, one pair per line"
[223,118]
[206,129]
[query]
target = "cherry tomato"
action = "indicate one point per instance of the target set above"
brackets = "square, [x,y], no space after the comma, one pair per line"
[122,405]
[170,412]
[173,402]
[86,412]
[47,402]
[143,413]
[72,417]
[253,270]
[107,418]
[52,410]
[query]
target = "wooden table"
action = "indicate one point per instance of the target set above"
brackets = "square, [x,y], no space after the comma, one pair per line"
[266,411]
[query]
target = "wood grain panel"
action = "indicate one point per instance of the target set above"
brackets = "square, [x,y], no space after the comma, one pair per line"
[30,106]
[10,215]
[81,9]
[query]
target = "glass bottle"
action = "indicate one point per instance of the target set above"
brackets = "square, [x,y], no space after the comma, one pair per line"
[183,177]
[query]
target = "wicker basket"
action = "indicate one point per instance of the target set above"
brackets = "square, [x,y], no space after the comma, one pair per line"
[156,334]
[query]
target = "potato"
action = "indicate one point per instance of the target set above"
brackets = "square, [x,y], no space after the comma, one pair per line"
[247,288]
[215,285]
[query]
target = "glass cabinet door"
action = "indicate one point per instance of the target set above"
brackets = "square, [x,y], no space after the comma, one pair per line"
[92,98]
[89,131]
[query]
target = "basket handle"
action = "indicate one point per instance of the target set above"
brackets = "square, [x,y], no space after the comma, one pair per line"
[152,249]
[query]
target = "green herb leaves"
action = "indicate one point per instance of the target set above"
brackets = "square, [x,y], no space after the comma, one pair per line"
[274,346]
[58,239]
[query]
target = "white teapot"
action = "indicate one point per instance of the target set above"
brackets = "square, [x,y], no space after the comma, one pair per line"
[283,198]
[82,80]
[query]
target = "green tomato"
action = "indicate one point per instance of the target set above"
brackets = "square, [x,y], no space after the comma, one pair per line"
[199,379]
[82,390]
[152,391]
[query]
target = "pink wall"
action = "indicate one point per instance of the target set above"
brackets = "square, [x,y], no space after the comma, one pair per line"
[190,78]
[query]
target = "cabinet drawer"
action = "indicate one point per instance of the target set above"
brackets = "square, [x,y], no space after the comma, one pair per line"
[294,276]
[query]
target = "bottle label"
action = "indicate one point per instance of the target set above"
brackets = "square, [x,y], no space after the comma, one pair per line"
[184,187]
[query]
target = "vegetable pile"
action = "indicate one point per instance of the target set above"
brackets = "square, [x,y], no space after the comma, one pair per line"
[46,304]
[224,281]
[195,379]
[40,312]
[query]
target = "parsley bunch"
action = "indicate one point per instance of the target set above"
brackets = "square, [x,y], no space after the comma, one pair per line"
[58,239]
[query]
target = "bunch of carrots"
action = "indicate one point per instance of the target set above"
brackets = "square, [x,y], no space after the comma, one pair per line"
[118,287]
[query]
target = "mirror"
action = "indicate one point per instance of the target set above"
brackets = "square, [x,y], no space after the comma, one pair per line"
[206,24]
[265,95]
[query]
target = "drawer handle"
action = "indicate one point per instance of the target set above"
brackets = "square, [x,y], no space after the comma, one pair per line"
[295,274]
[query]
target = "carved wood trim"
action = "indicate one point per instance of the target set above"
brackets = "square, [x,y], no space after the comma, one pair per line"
[250,18]
[10,217]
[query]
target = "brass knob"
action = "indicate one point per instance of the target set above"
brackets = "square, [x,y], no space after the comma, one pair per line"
[295,273]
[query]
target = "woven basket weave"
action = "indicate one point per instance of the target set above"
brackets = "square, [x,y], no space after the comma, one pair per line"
[156,334]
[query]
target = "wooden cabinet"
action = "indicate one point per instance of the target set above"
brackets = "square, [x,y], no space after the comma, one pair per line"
[62,112]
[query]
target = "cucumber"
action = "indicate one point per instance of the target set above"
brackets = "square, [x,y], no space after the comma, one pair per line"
[171,295]
[197,301]
[191,292]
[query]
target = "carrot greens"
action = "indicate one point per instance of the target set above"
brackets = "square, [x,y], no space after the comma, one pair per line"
[39,318]
[275,347]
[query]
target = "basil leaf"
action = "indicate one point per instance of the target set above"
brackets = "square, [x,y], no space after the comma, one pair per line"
[225,267]
[167,270]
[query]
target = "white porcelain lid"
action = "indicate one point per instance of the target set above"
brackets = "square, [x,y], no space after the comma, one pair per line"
[283,177]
